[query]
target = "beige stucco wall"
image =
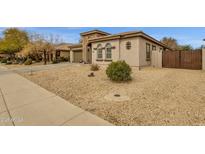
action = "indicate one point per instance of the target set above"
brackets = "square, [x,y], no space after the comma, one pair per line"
[115,52]
[119,52]
[131,56]
[71,56]
[142,51]
[85,42]
[65,54]
[156,57]
[203,58]
[136,56]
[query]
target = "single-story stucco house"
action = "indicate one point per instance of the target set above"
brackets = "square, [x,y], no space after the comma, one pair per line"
[136,48]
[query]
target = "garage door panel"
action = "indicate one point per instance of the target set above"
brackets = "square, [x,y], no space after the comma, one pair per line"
[77,56]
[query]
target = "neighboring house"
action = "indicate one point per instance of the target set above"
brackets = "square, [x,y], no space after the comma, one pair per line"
[101,48]
[62,50]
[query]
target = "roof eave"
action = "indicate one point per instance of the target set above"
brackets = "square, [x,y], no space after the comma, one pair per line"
[104,39]
[94,31]
[134,34]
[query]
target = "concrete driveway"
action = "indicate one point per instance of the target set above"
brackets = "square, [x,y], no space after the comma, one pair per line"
[24,103]
[36,68]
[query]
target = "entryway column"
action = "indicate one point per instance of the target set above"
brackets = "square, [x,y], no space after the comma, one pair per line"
[71,56]
[203,58]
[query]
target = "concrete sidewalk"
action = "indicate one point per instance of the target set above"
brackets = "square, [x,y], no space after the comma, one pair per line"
[24,103]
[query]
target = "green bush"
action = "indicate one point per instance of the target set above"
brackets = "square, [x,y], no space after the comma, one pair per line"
[8,62]
[94,67]
[4,60]
[28,62]
[119,71]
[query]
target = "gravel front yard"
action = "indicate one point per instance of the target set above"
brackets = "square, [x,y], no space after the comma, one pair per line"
[153,97]
[22,65]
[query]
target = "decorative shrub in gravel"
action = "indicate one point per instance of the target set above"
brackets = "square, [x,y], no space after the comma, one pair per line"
[63,59]
[66,59]
[28,62]
[4,60]
[8,62]
[119,71]
[94,67]
[15,62]
[55,61]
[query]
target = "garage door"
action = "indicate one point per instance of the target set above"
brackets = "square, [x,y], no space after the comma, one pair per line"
[77,56]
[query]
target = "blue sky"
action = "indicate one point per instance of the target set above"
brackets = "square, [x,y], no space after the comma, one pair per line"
[184,35]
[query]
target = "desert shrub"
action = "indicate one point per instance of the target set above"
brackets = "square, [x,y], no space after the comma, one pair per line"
[55,61]
[15,62]
[20,60]
[28,62]
[119,71]
[3,60]
[63,59]
[94,67]
[66,59]
[8,62]
[38,60]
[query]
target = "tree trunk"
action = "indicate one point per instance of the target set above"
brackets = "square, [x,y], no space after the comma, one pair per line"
[44,57]
[48,55]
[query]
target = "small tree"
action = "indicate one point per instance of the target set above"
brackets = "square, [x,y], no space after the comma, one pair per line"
[40,46]
[32,50]
[47,49]
[185,47]
[170,42]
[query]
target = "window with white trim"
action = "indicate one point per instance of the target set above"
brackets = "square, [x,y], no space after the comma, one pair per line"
[108,51]
[99,52]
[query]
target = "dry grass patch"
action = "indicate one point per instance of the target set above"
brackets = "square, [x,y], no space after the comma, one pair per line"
[155,96]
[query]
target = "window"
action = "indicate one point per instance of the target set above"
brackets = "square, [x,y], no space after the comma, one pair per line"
[147,52]
[128,45]
[108,51]
[160,50]
[154,47]
[99,51]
